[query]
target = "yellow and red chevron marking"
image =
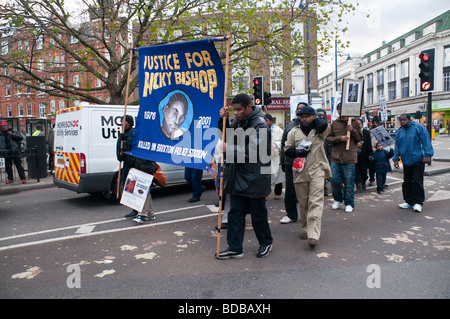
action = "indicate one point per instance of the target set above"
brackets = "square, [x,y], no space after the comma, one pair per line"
[71,171]
[70,109]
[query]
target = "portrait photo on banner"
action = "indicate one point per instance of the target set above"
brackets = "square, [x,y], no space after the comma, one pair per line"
[351,100]
[181,90]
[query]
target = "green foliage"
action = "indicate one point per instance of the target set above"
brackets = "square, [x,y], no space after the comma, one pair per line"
[258,29]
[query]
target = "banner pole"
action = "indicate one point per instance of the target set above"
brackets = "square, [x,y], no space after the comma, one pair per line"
[219,222]
[124,114]
[349,122]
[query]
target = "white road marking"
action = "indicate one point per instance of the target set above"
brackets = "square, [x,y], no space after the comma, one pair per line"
[86,229]
[91,224]
[133,227]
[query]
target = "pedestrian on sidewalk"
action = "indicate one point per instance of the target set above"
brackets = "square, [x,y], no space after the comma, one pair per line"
[10,149]
[413,147]
[381,165]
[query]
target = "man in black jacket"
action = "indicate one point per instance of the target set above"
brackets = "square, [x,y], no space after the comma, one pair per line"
[10,150]
[124,144]
[247,175]
[290,199]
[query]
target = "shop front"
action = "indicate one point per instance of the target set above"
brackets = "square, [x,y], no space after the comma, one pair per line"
[441,116]
[280,110]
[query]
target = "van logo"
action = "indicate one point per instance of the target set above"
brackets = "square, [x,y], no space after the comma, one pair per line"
[75,123]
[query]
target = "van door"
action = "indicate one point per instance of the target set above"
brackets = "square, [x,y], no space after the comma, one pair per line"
[69,157]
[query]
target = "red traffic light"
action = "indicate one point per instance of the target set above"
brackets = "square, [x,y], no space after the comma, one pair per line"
[424,56]
[256,82]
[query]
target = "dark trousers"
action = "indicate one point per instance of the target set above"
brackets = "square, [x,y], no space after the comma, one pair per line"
[412,187]
[8,166]
[290,198]
[194,178]
[278,189]
[381,180]
[240,206]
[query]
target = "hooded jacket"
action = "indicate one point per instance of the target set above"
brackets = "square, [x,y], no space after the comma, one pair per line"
[247,168]
[412,144]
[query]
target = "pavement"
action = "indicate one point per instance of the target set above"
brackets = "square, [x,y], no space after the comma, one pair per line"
[440,164]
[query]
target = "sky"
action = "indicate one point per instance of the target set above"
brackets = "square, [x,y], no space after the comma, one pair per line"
[388,20]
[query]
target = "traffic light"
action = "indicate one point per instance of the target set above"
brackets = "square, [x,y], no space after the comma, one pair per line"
[267,98]
[426,67]
[258,91]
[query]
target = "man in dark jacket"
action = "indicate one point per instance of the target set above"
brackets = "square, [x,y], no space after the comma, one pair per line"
[10,150]
[290,198]
[247,175]
[365,150]
[124,143]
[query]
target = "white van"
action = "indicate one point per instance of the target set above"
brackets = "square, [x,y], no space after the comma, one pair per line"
[85,149]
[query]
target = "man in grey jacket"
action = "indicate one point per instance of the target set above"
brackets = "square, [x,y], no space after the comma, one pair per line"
[247,175]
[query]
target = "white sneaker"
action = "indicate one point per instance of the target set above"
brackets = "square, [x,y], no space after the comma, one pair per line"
[404,205]
[335,205]
[418,208]
[348,209]
[286,220]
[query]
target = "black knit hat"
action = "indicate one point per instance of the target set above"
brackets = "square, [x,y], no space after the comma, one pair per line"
[129,119]
[307,110]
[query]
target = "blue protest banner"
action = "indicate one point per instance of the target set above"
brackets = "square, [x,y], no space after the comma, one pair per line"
[181,90]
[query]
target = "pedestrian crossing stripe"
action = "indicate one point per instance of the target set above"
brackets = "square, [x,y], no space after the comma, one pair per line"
[67,167]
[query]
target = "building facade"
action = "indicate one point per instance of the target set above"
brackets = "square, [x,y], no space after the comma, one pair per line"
[26,106]
[392,71]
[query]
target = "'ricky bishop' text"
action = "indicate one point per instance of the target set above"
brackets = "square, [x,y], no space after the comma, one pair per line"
[163,72]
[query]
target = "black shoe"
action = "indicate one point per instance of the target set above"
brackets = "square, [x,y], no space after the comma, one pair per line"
[312,242]
[264,251]
[131,215]
[193,200]
[228,254]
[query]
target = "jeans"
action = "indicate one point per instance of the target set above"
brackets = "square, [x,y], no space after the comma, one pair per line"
[343,173]
[240,206]
[194,178]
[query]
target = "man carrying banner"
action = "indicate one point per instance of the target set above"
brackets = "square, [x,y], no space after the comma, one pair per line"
[124,142]
[247,175]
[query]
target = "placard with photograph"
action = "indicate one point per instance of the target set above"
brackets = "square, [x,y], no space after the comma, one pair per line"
[351,100]
[136,188]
